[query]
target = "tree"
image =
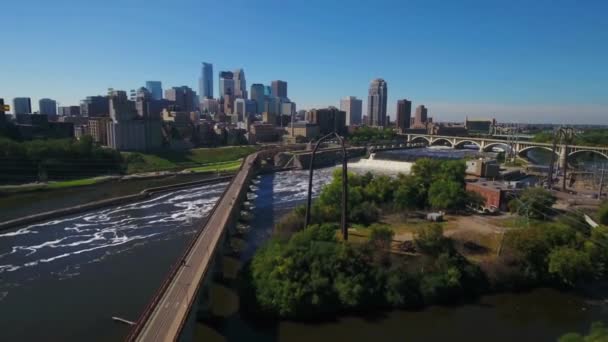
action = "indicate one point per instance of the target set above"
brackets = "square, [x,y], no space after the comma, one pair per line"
[597,333]
[569,265]
[380,190]
[408,194]
[381,236]
[430,239]
[534,203]
[447,194]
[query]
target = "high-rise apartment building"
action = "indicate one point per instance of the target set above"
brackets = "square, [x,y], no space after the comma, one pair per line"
[69,111]
[404,114]
[47,107]
[353,108]
[22,105]
[226,83]
[183,96]
[240,85]
[376,103]
[156,89]
[205,82]
[257,95]
[279,89]
[329,120]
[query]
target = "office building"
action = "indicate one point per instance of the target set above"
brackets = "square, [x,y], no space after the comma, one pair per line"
[183,97]
[22,105]
[404,114]
[98,130]
[205,82]
[129,132]
[2,111]
[121,108]
[226,83]
[210,106]
[146,106]
[95,106]
[257,95]
[47,107]
[267,90]
[329,120]
[480,126]
[69,111]
[156,89]
[279,89]
[240,85]
[353,108]
[420,119]
[376,103]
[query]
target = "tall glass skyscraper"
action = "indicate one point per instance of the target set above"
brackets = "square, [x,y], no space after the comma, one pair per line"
[240,85]
[156,89]
[257,94]
[205,82]
[376,103]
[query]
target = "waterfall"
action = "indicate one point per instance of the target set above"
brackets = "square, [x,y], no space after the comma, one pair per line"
[380,165]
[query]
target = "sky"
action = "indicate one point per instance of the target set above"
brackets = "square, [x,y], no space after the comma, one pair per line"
[518,61]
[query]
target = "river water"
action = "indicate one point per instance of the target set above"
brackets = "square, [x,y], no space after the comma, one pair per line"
[539,315]
[64,279]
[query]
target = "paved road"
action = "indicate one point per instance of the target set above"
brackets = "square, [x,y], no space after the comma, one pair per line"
[166,319]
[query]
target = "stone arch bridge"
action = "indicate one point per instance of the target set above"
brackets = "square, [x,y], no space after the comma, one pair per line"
[486,144]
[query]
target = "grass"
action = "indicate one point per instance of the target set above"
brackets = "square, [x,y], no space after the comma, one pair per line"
[191,159]
[7,189]
[219,167]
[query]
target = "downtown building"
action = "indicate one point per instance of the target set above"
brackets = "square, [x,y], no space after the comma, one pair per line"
[240,84]
[257,95]
[156,89]
[376,103]
[47,107]
[353,108]
[22,105]
[95,106]
[279,89]
[205,82]
[183,97]
[329,120]
[133,126]
[404,114]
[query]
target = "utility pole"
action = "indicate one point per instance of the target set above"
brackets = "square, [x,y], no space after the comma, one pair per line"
[568,138]
[599,192]
[556,134]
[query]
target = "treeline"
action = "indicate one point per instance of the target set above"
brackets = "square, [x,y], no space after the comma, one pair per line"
[39,160]
[432,184]
[366,134]
[312,274]
[592,137]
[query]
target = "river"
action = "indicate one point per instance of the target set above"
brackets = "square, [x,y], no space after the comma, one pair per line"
[64,279]
[539,315]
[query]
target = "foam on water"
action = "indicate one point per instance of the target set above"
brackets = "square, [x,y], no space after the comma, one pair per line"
[78,240]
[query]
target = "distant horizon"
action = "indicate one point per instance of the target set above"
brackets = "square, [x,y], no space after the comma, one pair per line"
[534,62]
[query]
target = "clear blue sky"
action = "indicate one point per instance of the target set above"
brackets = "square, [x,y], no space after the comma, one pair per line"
[529,61]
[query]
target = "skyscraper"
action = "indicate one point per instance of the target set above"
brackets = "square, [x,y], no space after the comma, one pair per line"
[22,105]
[95,106]
[156,89]
[404,114]
[240,85]
[226,83]
[279,89]
[257,95]
[329,119]
[353,108]
[376,103]
[181,96]
[47,107]
[205,82]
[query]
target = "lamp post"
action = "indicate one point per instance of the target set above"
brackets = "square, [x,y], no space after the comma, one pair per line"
[344,218]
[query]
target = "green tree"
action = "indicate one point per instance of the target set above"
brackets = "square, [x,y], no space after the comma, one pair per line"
[569,265]
[430,239]
[408,194]
[447,194]
[381,236]
[597,333]
[534,203]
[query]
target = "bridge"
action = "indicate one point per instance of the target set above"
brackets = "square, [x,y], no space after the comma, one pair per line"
[563,152]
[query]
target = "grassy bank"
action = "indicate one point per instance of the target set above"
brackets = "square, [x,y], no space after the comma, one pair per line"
[195,159]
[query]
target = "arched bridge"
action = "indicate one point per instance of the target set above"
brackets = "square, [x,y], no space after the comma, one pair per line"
[486,144]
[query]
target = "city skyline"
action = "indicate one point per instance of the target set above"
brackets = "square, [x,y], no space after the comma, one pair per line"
[544,65]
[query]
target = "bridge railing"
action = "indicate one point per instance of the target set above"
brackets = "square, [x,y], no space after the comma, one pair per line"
[145,315]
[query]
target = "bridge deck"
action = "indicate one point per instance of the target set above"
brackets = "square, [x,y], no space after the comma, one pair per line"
[164,319]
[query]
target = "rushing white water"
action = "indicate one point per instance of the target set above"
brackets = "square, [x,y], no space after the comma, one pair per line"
[372,164]
[90,236]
